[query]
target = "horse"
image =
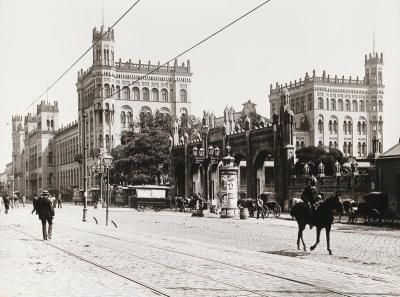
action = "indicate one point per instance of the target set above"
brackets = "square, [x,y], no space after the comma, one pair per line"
[321,218]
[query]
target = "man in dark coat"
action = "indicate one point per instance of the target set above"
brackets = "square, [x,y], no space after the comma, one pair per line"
[45,211]
[6,204]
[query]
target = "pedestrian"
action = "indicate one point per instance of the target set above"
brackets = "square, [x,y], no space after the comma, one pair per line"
[16,202]
[59,201]
[34,202]
[23,200]
[6,204]
[45,210]
[53,200]
[260,207]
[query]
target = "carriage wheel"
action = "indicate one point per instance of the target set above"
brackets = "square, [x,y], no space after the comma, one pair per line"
[266,211]
[277,211]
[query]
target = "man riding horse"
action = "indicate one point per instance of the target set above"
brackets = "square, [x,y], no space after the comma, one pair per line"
[311,196]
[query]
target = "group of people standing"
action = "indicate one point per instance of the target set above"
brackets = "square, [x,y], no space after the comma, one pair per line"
[14,202]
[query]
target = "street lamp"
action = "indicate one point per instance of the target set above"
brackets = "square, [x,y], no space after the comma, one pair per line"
[98,168]
[107,163]
[206,160]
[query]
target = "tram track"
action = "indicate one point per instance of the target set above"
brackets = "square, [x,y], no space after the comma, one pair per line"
[289,279]
[158,292]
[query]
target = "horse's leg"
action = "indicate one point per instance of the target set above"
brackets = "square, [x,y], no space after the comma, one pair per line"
[299,232]
[318,235]
[328,231]
[301,236]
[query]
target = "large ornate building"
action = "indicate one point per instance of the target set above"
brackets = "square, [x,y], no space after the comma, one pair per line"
[338,112]
[112,94]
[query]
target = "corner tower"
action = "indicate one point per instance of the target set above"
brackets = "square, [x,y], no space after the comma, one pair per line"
[374,106]
[103,47]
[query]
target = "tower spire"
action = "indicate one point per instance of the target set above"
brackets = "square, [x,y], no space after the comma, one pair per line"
[373,40]
[102,13]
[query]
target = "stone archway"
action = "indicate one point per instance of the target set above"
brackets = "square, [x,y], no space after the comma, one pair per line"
[263,172]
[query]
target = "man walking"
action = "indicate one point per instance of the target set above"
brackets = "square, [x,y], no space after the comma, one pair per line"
[59,201]
[6,204]
[45,210]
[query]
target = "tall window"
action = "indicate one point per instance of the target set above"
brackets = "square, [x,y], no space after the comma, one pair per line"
[347,105]
[340,104]
[303,106]
[309,104]
[345,147]
[359,149]
[320,126]
[380,105]
[145,93]
[164,95]
[345,127]
[123,119]
[125,93]
[362,105]
[183,95]
[333,104]
[136,93]
[330,127]
[118,90]
[320,103]
[154,94]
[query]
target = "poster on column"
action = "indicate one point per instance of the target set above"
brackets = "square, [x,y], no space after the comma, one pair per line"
[229,188]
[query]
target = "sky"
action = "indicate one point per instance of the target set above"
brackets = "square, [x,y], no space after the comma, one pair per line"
[278,43]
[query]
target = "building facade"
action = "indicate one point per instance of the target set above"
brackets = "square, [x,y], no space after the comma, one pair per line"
[335,112]
[112,93]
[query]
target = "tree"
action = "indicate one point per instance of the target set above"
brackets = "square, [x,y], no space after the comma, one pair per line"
[143,159]
[314,155]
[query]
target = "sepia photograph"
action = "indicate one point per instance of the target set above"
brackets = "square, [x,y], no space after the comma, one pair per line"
[216,148]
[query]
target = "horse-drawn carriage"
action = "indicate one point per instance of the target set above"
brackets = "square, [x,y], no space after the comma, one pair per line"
[373,209]
[270,204]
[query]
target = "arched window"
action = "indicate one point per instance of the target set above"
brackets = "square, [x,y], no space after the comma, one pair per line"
[130,118]
[136,93]
[380,105]
[118,92]
[320,103]
[359,149]
[164,95]
[347,105]
[126,93]
[107,90]
[374,105]
[345,147]
[145,94]
[355,105]
[327,103]
[350,127]
[183,95]
[154,95]
[123,119]
[359,127]
[320,144]
[107,142]
[320,126]
[340,104]
[309,104]
[101,141]
[364,149]
[350,148]
[333,104]
[330,127]
[335,127]
[345,127]
[364,128]
[302,106]
[362,105]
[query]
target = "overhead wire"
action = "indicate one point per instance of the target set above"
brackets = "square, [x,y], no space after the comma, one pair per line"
[190,48]
[84,53]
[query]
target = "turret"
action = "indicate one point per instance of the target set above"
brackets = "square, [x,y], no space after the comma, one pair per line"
[374,69]
[103,47]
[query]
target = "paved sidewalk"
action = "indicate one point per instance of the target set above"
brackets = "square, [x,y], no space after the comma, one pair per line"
[170,264]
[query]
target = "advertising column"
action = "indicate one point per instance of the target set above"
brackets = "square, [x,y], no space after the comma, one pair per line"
[228,188]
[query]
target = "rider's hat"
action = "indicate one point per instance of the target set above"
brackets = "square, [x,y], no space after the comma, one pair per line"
[312,181]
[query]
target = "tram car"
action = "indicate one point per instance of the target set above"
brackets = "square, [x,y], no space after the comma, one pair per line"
[148,196]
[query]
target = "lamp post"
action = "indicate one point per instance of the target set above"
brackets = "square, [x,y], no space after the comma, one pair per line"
[84,115]
[107,163]
[98,168]
[206,158]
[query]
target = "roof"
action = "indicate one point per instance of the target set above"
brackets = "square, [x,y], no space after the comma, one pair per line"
[393,152]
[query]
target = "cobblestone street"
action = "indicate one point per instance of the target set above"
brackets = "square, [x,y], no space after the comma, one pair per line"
[173,254]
